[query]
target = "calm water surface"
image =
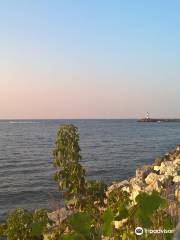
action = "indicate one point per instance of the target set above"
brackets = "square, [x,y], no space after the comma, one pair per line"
[111,149]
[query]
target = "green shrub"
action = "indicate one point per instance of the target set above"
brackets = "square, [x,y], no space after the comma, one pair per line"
[24,225]
[3,229]
[19,225]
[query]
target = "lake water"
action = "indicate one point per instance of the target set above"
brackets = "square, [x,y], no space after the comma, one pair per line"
[111,150]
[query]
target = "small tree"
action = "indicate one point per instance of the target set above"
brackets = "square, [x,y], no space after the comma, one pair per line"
[70,175]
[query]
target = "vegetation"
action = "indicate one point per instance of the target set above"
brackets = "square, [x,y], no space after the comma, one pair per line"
[95,215]
[24,225]
[70,175]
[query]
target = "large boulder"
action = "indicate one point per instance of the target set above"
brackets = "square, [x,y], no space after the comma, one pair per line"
[156,182]
[59,215]
[156,168]
[143,171]
[165,180]
[136,184]
[151,178]
[169,168]
[117,185]
[176,179]
[126,188]
[156,185]
[176,162]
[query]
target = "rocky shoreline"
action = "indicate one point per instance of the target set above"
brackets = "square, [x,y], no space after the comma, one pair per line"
[162,176]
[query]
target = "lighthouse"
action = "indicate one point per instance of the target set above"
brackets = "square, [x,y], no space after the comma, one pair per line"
[147,116]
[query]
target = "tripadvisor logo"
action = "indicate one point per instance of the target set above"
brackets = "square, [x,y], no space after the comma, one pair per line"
[139,231]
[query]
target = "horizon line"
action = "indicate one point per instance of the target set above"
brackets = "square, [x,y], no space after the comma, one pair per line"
[12,119]
[9,119]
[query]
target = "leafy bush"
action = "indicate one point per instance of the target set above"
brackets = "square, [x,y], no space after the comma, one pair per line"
[3,228]
[24,225]
[120,222]
[19,225]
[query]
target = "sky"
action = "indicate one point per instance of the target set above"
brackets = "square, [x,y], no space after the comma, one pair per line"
[89,59]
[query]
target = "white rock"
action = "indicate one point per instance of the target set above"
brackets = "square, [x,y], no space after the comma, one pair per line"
[118,185]
[171,171]
[177,192]
[136,184]
[134,194]
[126,189]
[157,168]
[119,224]
[178,148]
[152,177]
[164,179]
[165,165]
[143,171]
[176,161]
[176,179]
[169,168]
[156,185]
[59,214]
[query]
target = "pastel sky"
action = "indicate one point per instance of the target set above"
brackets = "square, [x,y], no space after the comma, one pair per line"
[89,58]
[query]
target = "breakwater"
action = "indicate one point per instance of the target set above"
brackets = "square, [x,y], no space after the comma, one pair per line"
[146,120]
[162,176]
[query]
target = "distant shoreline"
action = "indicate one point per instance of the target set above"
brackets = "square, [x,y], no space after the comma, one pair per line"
[146,120]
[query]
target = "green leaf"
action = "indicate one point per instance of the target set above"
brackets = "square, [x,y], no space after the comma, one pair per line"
[124,236]
[149,203]
[67,237]
[73,236]
[81,223]
[143,218]
[37,228]
[122,212]
[108,217]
